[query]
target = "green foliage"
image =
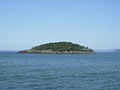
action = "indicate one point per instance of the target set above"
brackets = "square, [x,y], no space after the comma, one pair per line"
[61,47]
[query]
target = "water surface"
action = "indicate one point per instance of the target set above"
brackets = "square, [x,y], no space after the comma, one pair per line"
[99,71]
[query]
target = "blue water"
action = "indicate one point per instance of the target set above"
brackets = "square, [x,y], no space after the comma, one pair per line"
[99,71]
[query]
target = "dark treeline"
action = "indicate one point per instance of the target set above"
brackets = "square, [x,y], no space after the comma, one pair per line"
[62,46]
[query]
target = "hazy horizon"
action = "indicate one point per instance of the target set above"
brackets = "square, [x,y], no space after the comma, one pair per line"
[27,23]
[31,47]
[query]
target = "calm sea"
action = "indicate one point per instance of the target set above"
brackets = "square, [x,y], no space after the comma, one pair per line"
[99,71]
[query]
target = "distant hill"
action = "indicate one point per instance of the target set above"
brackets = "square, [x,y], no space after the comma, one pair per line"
[117,50]
[109,50]
[59,47]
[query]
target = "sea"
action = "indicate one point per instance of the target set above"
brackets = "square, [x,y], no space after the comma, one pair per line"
[29,71]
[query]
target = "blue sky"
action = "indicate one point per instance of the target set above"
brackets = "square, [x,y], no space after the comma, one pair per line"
[27,23]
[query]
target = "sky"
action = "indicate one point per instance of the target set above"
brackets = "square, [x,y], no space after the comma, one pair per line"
[27,23]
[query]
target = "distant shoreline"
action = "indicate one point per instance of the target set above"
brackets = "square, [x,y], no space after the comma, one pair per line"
[55,52]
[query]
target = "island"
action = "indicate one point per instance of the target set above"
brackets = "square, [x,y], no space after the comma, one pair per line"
[59,48]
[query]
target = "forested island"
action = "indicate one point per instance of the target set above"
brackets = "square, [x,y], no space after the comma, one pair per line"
[59,47]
